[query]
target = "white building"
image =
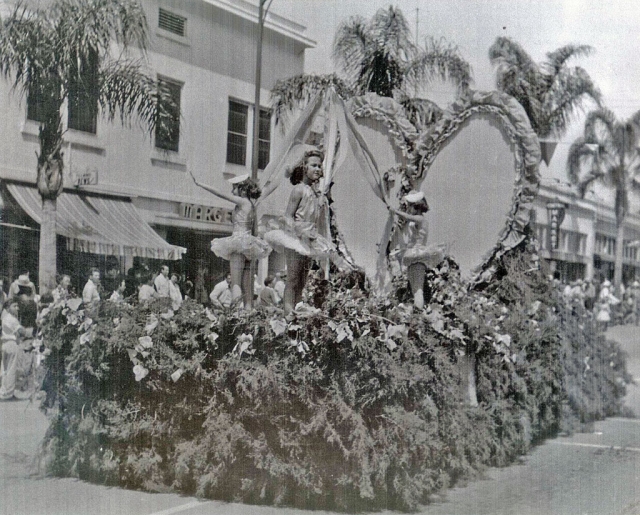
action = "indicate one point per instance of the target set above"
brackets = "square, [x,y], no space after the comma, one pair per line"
[205,50]
[586,238]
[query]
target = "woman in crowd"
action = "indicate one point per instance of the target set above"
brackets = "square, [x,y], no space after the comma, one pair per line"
[174,292]
[118,294]
[410,243]
[12,334]
[268,295]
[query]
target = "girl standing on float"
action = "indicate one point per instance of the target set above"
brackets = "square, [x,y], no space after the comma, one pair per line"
[298,236]
[410,242]
[241,247]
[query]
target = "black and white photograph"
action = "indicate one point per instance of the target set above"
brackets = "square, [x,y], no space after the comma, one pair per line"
[290,257]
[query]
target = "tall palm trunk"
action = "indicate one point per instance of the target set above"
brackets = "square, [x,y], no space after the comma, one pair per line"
[49,183]
[617,271]
[47,259]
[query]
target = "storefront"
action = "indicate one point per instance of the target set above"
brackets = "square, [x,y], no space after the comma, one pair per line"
[94,230]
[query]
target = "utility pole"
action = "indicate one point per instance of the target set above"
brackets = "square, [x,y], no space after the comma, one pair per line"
[256,104]
[262,14]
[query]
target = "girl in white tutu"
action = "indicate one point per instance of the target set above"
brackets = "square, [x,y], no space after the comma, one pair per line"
[298,235]
[410,243]
[241,247]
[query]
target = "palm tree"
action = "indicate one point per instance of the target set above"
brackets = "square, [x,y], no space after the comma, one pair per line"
[63,53]
[607,152]
[378,56]
[550,92]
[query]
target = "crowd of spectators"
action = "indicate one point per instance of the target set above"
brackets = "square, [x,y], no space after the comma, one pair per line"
[608,305]
[22,309]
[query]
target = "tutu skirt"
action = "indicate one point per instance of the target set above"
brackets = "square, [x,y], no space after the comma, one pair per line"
[430,256]
[301,237]
[243,243]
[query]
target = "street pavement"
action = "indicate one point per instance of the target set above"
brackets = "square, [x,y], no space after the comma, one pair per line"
[591,473]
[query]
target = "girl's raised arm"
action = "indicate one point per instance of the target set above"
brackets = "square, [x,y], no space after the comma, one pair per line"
[226,196]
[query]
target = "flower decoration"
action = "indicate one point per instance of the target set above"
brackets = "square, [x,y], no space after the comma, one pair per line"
[140,372]
[243,345]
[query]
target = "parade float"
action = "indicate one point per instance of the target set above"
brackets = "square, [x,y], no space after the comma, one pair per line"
[356,399]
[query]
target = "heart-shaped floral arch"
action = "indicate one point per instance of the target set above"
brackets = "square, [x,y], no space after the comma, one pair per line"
[526,150]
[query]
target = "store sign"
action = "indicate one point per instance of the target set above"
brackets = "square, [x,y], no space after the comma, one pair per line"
[88,177]
[555,212]
[205,213]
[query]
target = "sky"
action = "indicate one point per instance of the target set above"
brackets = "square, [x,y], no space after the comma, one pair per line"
[612,27]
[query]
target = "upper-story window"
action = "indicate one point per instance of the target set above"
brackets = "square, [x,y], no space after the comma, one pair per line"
[36,102]
[168,126]
[83,94]
[172,22]
[237,133]
[264,139]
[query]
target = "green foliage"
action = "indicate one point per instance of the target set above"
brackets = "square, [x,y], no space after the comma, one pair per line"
[351,403]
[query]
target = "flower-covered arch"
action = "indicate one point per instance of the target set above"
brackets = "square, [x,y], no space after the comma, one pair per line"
[524,144]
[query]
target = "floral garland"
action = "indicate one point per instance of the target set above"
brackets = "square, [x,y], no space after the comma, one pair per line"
[392,115]
[527,156]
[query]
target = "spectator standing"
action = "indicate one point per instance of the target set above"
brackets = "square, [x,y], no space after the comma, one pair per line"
[174,292]
[21,284]
[279,285]
[24,291]
[90,291]
[589,292]
[161,282]
[220,296]
[268,295]
[147,291]
[118,294]
[12,330]
[61,292]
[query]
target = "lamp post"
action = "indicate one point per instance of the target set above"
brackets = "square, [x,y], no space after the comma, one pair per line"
[262,14]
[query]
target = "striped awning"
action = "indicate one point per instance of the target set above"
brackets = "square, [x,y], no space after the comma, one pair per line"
[99,225]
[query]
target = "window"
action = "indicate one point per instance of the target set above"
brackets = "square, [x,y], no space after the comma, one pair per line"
[168,124]
[264,139]
[83,94]
[237,133]
[36,103]
[171,22]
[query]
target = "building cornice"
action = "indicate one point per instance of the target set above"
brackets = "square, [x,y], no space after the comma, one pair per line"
[274,22]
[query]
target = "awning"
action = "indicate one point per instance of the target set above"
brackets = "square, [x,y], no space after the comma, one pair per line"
[98,224]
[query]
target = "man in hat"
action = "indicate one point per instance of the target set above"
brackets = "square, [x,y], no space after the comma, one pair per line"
[21,284]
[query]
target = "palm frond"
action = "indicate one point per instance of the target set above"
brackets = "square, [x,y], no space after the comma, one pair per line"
[85,26]
[391,34]
[128,92]
[27,47]
[350,45]
[297,91]
[557,59]
[440,60]
[508,54]
[580,154]
[599,121]
[571,89]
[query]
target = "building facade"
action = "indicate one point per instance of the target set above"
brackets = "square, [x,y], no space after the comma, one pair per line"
[204,51]
[577,236]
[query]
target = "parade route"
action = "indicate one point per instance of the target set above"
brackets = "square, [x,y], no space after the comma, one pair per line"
[596,472]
